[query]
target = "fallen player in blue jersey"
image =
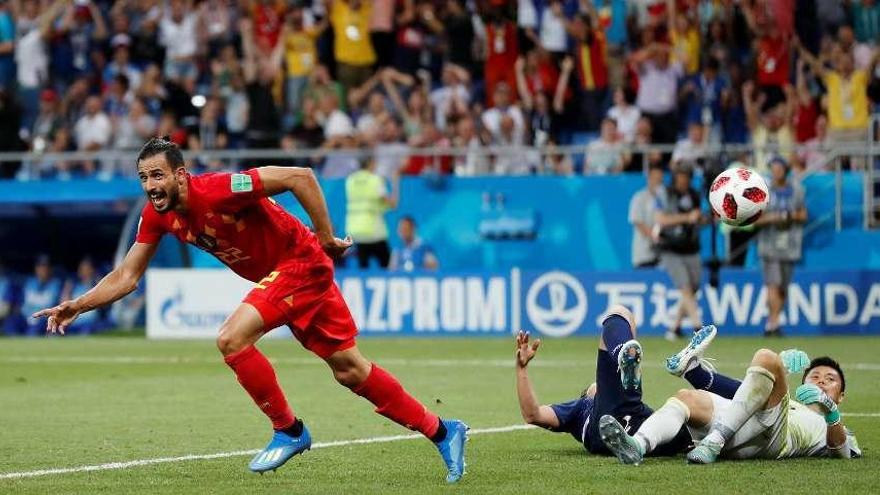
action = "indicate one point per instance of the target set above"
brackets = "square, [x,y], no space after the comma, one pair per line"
[617,391]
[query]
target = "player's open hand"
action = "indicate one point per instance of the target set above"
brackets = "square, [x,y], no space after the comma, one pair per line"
[60,317]
[525,351]
[335,247]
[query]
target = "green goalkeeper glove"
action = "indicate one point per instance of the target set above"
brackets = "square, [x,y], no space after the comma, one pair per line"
[808,394]
[794,360]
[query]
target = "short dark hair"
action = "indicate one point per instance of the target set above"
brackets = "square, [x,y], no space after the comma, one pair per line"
[831,363]
[164,146]
[656,166]
[408,218]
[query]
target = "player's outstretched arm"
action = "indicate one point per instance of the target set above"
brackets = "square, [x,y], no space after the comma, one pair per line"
[116,285]
[532,411]
[304,186]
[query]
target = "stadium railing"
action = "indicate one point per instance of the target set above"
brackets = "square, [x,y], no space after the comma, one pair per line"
[838,156]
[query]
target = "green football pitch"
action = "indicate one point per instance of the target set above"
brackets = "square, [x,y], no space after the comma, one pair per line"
[173,419]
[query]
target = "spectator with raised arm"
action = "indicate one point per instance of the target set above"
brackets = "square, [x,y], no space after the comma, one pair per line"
[260,71]
[178,34]
[352,47]
[658,90]
[591,69]
[771,130]
[300,54]
[847,98]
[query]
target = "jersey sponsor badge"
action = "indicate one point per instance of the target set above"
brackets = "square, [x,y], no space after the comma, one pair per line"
[242,183]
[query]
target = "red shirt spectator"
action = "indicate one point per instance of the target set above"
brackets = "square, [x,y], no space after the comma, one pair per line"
[591,60]
[773,59]
[268,19]
[501,55]
[805,121]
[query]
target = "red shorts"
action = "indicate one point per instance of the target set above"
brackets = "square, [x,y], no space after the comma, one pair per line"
[303,296]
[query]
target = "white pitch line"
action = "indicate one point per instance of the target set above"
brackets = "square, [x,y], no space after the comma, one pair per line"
[237,453]
[860,415]
[305,361]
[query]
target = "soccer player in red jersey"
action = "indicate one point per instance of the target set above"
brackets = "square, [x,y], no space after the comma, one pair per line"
[232,217]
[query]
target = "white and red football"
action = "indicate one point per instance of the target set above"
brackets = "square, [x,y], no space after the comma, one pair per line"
[738,196]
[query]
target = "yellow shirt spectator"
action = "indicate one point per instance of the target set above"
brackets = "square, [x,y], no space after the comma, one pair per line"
[686,49]
[351,32]
[847,100]
[300,52]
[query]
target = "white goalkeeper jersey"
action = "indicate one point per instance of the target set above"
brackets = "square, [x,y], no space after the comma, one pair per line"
[807,433]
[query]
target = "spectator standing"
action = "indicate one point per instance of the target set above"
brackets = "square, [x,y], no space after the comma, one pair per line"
[642,215]
[418,35]
[413,254]
[848,105]
[382,31]
[678,219]
[703,96]
[32,62]
[178,34]
[81,29]
[121,63]
[591,69]
[501,53]
[780,240]
[773,57]
[658,90]
[7,46]
[352,47]
[866,20]
[552,34]
[771,129]
[300,54]
[367,200]
[267,21]
[260,71]
[459,29]
[40,290]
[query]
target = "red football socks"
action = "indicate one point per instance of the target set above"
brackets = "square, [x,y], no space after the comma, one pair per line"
[393,402]
[256,375]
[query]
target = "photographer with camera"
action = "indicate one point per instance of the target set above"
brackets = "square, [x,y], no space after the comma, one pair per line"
[677,228]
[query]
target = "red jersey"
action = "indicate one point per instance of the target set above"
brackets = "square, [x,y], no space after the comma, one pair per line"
[229,217]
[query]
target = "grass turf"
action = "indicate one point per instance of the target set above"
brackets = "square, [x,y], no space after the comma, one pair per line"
[80,401]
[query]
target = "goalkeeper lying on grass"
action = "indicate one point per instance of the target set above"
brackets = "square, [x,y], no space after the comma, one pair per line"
[760,421]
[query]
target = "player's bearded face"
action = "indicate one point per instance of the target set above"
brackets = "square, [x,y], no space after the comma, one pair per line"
[160,183]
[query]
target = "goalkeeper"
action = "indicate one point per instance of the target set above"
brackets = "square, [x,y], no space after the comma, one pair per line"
[752,419]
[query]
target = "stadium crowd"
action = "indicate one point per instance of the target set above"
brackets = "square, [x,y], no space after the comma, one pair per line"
[394,76]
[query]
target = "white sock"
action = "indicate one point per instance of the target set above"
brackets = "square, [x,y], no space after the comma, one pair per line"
[663,425]
[749,398]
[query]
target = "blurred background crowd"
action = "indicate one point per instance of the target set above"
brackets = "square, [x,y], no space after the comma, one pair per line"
[393,76]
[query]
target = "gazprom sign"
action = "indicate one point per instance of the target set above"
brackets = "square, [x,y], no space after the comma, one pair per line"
[193,303]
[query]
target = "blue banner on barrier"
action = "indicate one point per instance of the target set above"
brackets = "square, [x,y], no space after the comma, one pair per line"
[559,304]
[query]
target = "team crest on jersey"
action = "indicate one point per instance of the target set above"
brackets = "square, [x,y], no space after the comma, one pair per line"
[242,183]
[206,242]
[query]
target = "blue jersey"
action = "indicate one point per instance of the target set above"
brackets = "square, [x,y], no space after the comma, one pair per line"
[574,417]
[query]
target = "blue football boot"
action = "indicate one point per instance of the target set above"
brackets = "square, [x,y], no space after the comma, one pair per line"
[280,449]
[452,449]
